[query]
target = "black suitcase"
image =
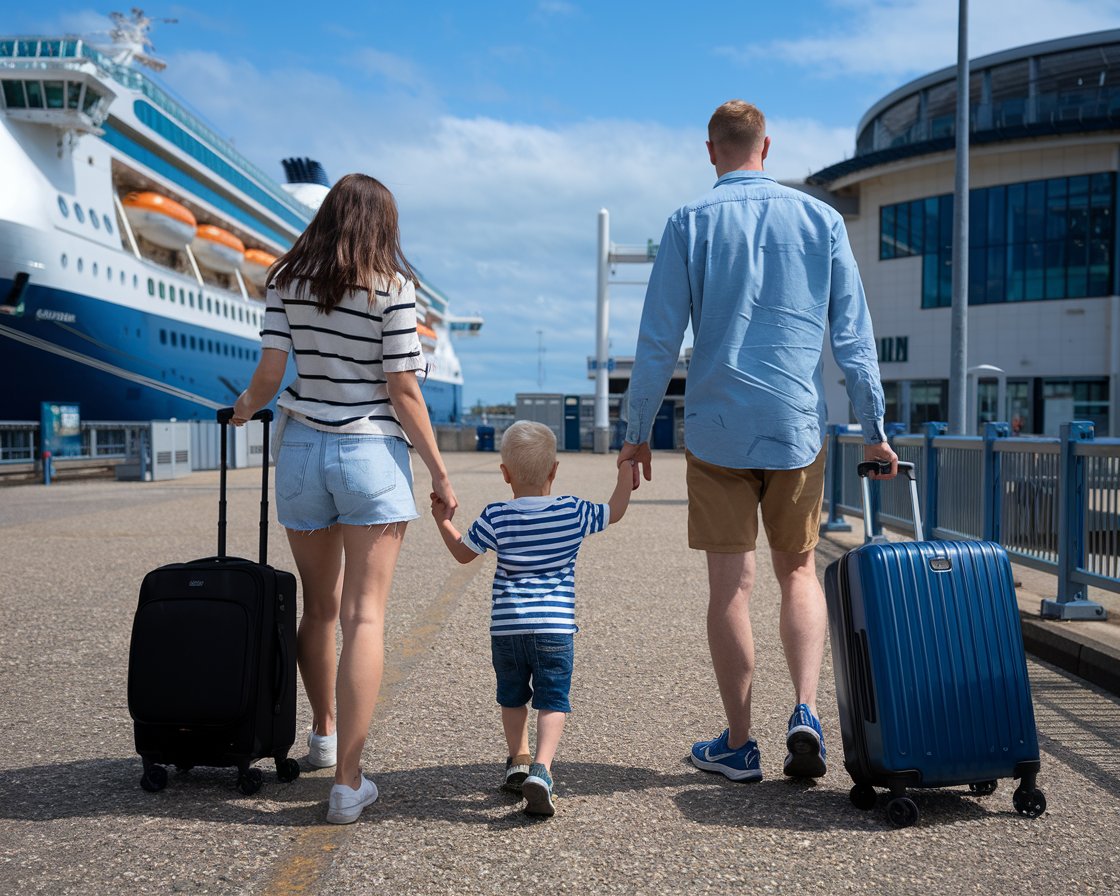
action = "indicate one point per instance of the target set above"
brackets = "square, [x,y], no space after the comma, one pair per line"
[212,664]
[931,675]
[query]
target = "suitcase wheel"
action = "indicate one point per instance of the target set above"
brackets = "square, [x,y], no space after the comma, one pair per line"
[983,788]
[1031,803]
[249,781]
[902,812]
[287,769]
[154,778]
[863,797]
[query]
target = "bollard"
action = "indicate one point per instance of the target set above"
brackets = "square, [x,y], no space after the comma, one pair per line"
[46,468]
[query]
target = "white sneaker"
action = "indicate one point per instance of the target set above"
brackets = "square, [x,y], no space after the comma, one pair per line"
[322,749]
[346,804]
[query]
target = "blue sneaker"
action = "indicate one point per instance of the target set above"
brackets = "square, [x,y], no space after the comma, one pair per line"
[537,790]
[805,742]
[742,764]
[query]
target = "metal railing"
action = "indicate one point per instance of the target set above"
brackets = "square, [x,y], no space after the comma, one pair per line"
[1053,503]
[101,440]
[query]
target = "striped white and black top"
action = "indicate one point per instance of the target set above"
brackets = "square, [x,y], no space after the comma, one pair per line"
[342,357]
[536,540]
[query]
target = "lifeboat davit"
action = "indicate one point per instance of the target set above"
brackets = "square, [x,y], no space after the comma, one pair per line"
[256,264]
[218,249]
[160,220]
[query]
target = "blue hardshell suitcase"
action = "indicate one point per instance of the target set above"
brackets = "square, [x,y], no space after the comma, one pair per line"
[931,674]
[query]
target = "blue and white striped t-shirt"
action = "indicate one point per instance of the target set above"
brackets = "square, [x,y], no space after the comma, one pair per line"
[536,540]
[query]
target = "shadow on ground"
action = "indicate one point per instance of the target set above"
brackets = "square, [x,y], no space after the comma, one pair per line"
[457,794]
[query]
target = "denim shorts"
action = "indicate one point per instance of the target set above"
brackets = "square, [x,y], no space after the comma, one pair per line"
[546,660]
[357,479]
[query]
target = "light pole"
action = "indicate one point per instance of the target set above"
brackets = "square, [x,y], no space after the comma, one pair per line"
[958,336]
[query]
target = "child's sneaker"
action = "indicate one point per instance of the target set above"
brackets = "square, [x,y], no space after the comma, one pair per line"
[743,764]
[537,790]
[322,749]
[805,742]
[517,770]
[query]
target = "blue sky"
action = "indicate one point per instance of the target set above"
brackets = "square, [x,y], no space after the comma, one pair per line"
[503,127]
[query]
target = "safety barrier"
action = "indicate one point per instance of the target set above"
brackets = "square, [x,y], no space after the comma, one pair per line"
[1054,504]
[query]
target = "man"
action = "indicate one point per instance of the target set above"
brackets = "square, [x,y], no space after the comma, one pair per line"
[762,270]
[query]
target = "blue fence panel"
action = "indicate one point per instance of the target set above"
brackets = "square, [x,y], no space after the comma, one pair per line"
[1029,499]
[1102,507]
[960,481]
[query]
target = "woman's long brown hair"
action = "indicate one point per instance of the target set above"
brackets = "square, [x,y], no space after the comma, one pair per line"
[353,242]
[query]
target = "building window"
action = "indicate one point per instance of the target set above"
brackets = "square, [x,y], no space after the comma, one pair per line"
[1043,239]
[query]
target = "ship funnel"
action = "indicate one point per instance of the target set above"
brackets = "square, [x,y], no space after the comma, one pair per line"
[305,171]
[307,181]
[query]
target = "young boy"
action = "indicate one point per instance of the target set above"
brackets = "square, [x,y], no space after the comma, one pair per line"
[536,537]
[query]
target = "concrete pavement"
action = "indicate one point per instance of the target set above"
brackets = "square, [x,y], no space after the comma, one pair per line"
[633,816]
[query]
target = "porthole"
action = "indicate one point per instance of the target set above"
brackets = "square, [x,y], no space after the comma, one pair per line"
[182,296]
[163,337]
[79,214]
[81,265]
[122,279]
[151,287]
[209,305]
[108,273]
[108,224]
[174,339]
[194,345]
[63,206]
[136,282]
[94,269]
[65,261]
[162,290]
[93,220]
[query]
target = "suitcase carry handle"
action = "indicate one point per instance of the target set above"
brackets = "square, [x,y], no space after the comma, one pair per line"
[884,467]
[224,416]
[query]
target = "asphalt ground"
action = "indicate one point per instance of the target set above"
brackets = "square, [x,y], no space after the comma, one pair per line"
[633,816]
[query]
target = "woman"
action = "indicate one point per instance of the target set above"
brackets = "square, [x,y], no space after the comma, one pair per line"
[343,299]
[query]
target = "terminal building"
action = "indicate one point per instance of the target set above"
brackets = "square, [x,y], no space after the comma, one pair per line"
[1044,311]
[1044,301]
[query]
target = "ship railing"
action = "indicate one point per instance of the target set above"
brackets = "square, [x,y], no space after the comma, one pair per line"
[1053,503]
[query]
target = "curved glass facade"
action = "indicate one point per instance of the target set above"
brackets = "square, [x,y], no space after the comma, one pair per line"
[1069,86]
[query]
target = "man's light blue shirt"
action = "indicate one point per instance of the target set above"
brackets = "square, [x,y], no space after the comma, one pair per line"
[762,271]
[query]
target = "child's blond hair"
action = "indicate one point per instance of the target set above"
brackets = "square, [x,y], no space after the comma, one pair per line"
[529,451]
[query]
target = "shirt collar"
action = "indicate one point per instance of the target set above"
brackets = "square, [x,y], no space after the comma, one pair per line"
[735,177]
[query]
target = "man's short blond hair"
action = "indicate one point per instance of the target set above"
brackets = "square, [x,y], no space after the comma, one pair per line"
[737,124]
[529,451]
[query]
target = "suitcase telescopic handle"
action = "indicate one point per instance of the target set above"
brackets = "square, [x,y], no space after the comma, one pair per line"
[883,467]
[224,416]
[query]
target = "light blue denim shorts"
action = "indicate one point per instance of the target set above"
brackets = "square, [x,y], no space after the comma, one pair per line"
[323,478]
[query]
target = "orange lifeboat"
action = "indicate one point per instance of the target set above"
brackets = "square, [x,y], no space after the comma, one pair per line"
[160,220]
[218,249]
[256,264]
[426,332]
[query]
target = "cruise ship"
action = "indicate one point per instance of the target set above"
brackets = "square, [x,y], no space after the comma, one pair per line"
[134,242]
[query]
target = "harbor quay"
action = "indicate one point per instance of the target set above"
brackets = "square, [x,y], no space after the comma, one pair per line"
[633,815]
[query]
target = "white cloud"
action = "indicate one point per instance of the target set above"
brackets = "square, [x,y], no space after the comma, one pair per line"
[500,216]
[902,37]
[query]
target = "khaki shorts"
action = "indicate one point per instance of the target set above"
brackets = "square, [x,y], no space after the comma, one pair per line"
[723,505]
